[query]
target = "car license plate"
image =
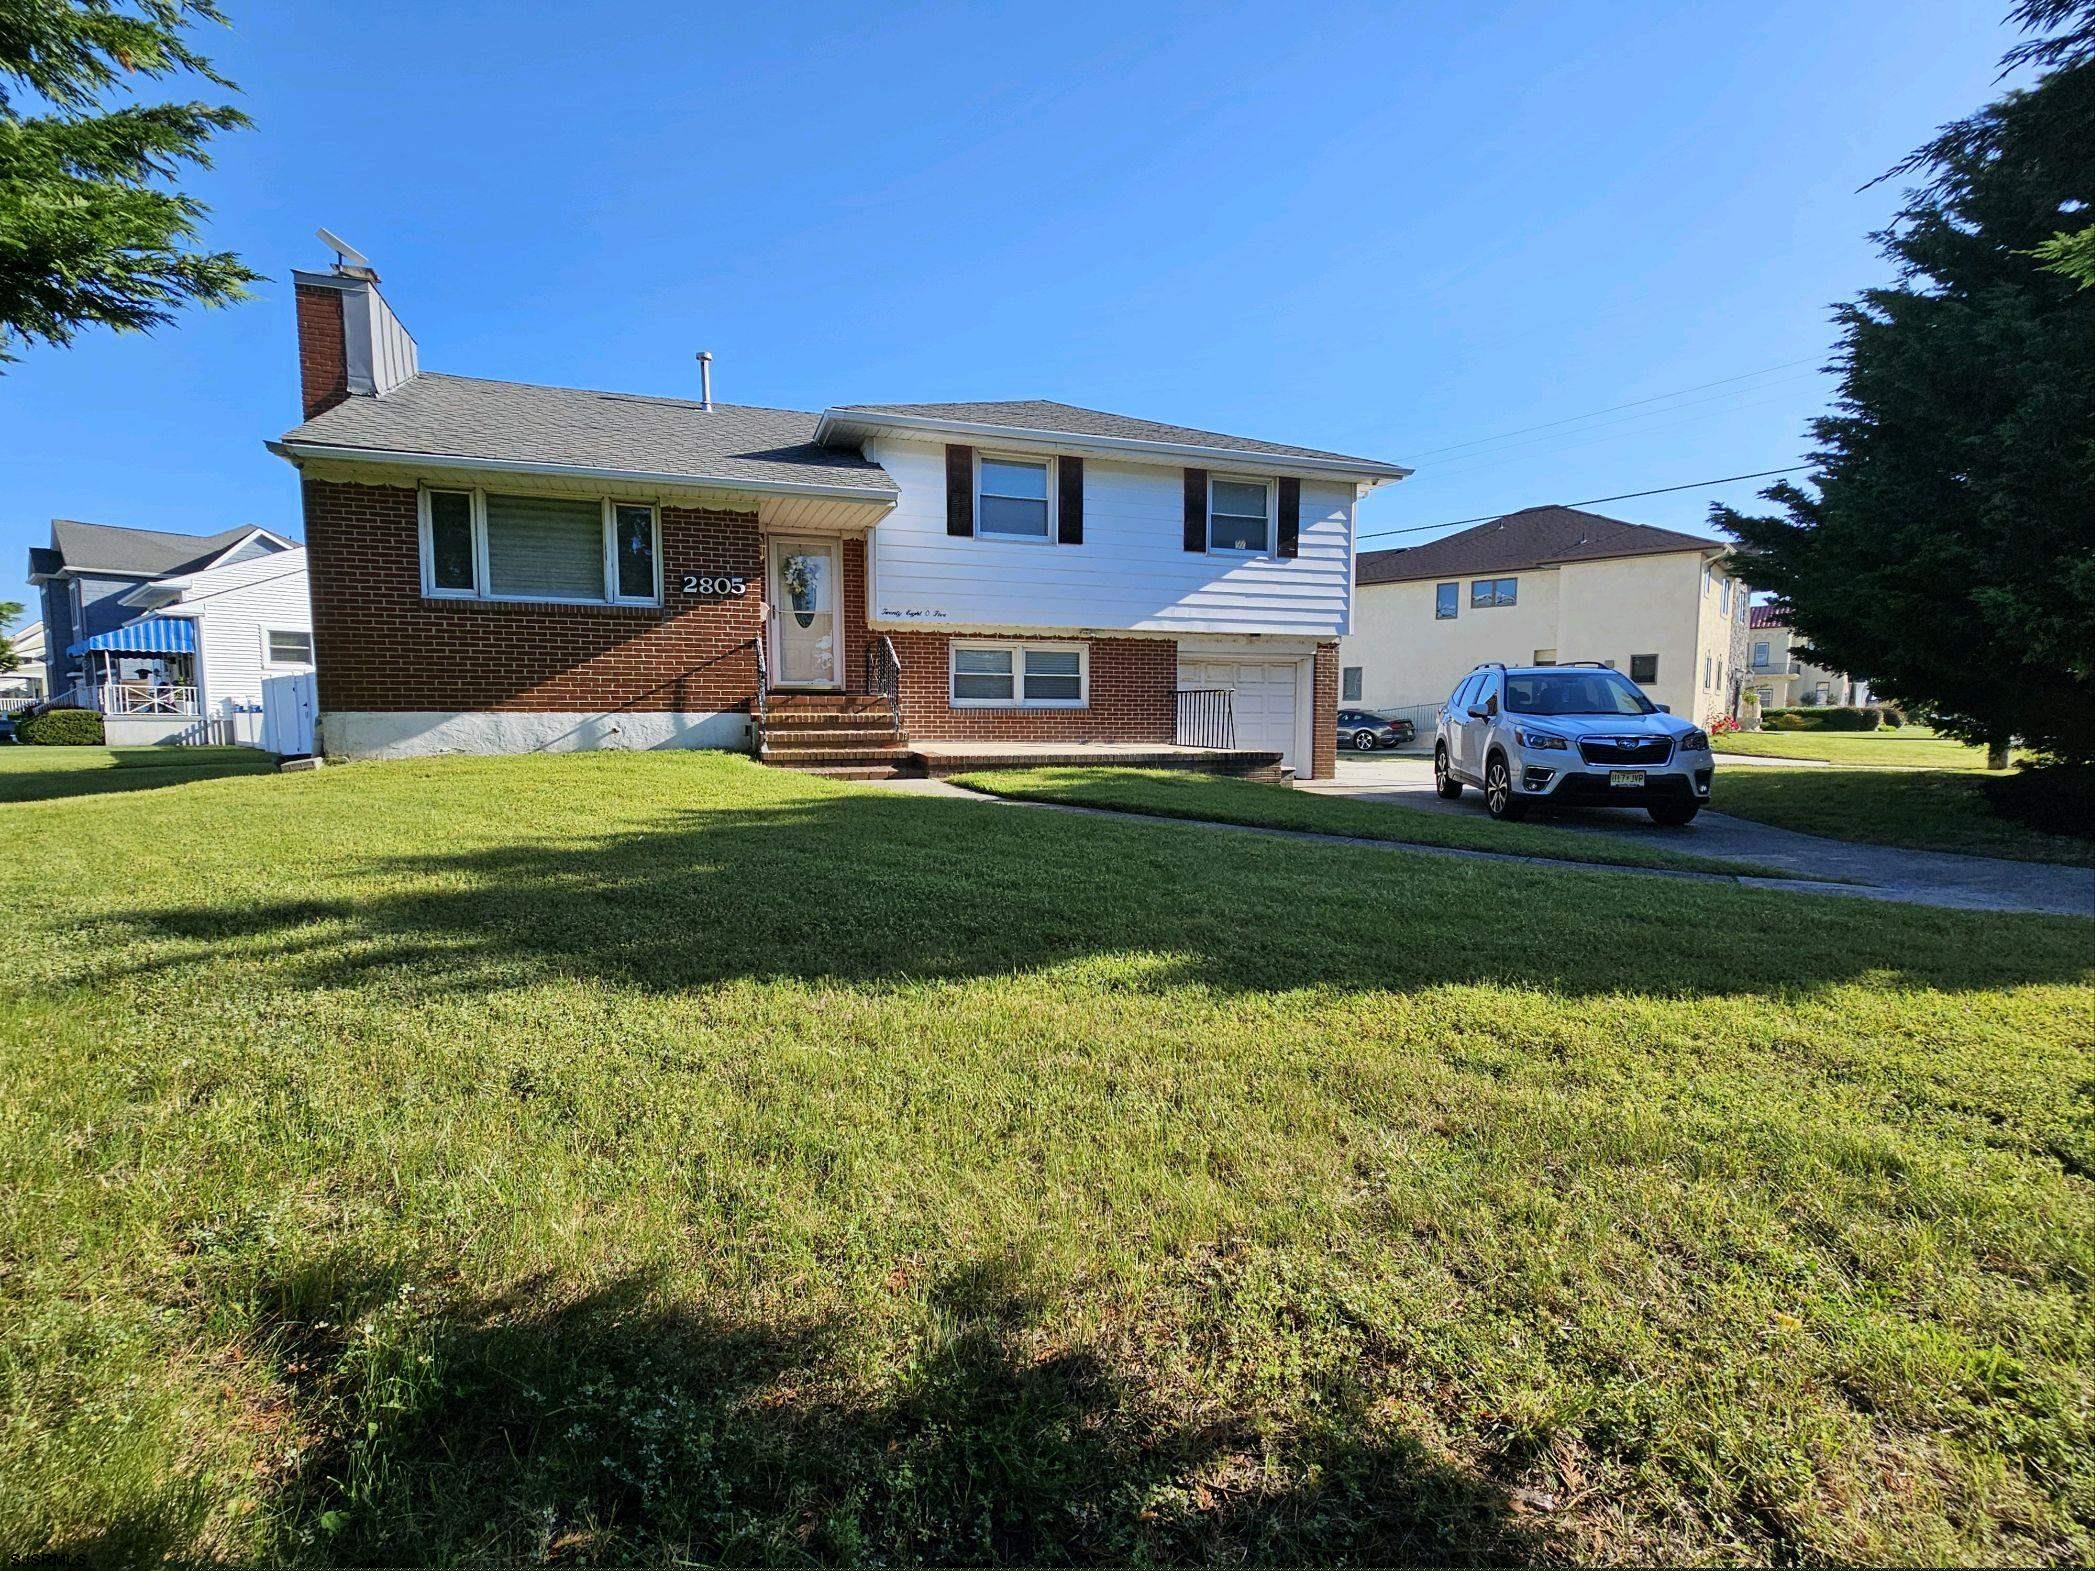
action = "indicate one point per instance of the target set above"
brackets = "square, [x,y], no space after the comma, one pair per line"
[1625,777]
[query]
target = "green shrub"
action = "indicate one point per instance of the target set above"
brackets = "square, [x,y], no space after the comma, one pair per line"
[62,728]
[2056,798]
[1783,720]
[1890,716]
[1830,717]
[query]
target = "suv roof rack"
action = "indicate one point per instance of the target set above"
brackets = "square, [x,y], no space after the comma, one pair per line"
[1489,665]
[1598,664]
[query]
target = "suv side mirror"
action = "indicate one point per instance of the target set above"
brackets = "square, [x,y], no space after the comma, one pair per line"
[1664,709]
[1479,712]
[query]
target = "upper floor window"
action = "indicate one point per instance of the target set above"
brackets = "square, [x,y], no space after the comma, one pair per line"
[1240,515]
[491,546]
[1724,598]
[1446,598]
[1011,498]
[1760,657]
[1349,684]
[1493,591]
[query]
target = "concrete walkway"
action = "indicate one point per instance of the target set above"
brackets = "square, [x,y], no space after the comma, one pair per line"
[1932,878]
[1939,878]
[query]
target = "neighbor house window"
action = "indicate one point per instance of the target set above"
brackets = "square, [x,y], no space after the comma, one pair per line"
[1706,682]
[1446,601]
[1492,591]
[1011,498]
[1724,599]
[1240,515]
[1545,657]
[286,646]
[497,546]
[1643,668]
[1349,685]
[1023,676]
[1760,657]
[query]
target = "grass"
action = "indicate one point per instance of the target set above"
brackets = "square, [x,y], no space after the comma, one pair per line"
[627,1158]
[1885,749]
[36,774]
[1165,793]
[1922,809]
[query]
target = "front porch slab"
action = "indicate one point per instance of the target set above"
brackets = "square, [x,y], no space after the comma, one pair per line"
[941,758]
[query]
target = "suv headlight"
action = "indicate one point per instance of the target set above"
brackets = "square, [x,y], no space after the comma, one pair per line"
[1695,742]
[1540,741]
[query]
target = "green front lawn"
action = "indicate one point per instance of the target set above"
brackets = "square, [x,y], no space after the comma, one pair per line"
[35,774]
[1924,809]
[632,1158]
[1177,793]
[1886,749]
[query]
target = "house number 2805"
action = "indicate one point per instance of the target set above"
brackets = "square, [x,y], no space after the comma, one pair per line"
[695,585]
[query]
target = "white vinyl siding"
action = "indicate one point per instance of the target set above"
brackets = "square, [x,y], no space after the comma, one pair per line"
[1019,676]
[1133,573]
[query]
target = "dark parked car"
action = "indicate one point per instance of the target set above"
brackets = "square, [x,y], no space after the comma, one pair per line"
[1363,730]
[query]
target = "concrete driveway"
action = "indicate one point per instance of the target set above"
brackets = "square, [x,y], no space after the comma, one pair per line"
[1938,878]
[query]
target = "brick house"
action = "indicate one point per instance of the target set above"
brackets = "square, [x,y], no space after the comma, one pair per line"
[498,566]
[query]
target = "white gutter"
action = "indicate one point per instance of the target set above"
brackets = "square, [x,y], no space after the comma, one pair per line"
[328,451]
[1280,463]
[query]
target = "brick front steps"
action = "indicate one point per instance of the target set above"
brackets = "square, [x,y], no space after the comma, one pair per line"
[853,736]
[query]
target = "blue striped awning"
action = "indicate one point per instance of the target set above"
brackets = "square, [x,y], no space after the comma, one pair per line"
[149,635]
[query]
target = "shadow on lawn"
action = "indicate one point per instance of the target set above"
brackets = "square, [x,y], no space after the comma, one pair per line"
[618,1427]
[63,774]
[875,888]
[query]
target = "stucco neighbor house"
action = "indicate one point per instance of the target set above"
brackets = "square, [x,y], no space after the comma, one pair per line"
[26,682]
[1542,586]
[1782,676]
[861,590]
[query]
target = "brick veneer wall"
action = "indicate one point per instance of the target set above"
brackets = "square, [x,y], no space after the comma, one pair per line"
[323,349]
[381,645]
[1133,683]
[1323,721]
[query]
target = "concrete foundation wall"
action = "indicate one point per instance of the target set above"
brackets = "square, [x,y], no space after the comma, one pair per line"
[422,733]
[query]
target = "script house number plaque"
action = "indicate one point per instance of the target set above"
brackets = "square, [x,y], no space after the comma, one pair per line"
[729,585]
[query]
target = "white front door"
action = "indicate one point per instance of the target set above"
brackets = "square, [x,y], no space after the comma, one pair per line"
[807,636]
[1262,701]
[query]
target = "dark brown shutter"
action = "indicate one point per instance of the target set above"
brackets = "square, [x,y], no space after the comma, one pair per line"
[1196,509]
[1069,501]
[1290,517]
[960,489]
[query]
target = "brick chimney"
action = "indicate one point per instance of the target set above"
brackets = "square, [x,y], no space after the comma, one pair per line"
[349,342]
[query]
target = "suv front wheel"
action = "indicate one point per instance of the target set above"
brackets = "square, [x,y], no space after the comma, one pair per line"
[1499,800]
[1672,815]
[1443,782]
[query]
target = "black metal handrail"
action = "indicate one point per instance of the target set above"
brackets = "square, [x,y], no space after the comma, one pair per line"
[763,682]
[884,676]
[1207,717]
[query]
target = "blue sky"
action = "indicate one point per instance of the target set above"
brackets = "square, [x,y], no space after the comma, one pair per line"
[1391,230]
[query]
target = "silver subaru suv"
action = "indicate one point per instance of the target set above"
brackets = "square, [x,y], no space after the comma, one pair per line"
[1580,734]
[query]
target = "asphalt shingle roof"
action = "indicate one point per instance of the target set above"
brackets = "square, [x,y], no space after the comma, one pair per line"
[1532,537]
[153,552]
[1047,416]
[519,422]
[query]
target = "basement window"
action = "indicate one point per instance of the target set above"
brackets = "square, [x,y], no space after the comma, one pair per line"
[1020,676]
[482,545]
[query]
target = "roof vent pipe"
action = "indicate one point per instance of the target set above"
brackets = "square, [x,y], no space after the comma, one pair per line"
[705,380]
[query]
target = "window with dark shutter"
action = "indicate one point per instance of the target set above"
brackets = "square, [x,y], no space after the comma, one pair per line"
[1196,510]
[1069,501]
[1290,517]
[960,489]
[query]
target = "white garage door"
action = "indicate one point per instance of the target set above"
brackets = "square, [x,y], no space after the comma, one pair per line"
[1264,701]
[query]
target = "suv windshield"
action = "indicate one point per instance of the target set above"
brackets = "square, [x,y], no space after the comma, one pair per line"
[1596,692]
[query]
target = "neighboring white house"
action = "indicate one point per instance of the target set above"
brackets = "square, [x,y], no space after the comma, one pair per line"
[1778,671]
[1545,586]
[251,632]
[27,681]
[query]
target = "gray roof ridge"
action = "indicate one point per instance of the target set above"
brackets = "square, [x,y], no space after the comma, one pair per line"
[607,392]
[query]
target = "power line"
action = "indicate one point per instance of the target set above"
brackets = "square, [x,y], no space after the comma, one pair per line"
[1622,496]
[1634,403]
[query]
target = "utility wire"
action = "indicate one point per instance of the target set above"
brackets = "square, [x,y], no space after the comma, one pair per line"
[1621,496]
[1723,381]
